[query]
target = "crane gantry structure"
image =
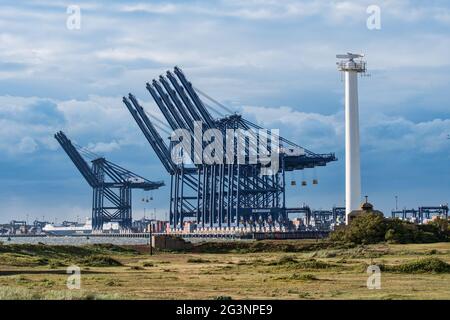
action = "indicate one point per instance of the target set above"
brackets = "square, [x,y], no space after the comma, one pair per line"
[111,185]
[225,194]
[422,213]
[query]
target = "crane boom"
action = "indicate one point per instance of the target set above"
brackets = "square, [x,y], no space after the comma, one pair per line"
[164,110]
[198,103]
[111,186]
[150,133]
[77,159]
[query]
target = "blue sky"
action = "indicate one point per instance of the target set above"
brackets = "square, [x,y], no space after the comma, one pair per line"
[273,61]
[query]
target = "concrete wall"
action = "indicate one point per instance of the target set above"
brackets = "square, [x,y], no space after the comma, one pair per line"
[169,242]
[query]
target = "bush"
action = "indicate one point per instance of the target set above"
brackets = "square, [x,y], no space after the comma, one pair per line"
[304,277]
[284,260]
[364,229]
[314,264]
[421,266]
[113,283]
[369,228]
[148,264]
[197,260]
[100,261]
[136,268]
[291,263]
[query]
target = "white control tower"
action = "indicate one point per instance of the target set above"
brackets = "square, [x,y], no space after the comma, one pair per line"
[351,68]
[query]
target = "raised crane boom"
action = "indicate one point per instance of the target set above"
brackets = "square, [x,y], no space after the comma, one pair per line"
[227,194]
[150,133]
[206,116]
[77,159]
[111,185]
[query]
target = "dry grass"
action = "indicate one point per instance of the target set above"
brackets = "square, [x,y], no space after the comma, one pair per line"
[319,274]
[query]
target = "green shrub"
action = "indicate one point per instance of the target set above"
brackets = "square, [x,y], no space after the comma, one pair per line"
[313,264]
[304,277]
[113,283]
[364,229]
[369,228]
[291,263]
[100,261]
[434,265]
[283,260]
[148,264]
[136,268]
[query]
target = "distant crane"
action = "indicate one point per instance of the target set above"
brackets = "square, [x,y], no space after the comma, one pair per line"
[111,185]
[422,213]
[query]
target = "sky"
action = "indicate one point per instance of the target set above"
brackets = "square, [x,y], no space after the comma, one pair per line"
[272,61]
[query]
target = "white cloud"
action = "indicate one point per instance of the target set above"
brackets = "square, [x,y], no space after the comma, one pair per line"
[101,147]
[314,131]
[104,125]
[27,125]
[26,145]
[380,133]
[237,61]
[150,8]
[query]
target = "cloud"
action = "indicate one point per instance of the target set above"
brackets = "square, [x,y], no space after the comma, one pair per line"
[150,8]
[379,132]
[101,147]
[395,134]
[27,125]
[247,54]
[26,145]
[313,131]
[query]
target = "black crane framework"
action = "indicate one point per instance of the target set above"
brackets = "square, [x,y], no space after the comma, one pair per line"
[111,185]
[219,195]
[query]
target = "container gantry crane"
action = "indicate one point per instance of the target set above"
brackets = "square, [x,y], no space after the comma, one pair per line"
[422,213]
[222,195]
[111,185]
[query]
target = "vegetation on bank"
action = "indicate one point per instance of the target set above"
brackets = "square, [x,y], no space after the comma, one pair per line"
[427,265]
[29,255]
[290,246]
[369,228]
[18,293]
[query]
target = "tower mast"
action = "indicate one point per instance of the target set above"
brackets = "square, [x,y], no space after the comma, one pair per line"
[351,68]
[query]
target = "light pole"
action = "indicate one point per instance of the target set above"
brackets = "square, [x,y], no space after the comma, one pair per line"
[150,239]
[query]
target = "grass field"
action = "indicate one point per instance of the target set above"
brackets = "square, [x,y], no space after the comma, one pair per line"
[309,271]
